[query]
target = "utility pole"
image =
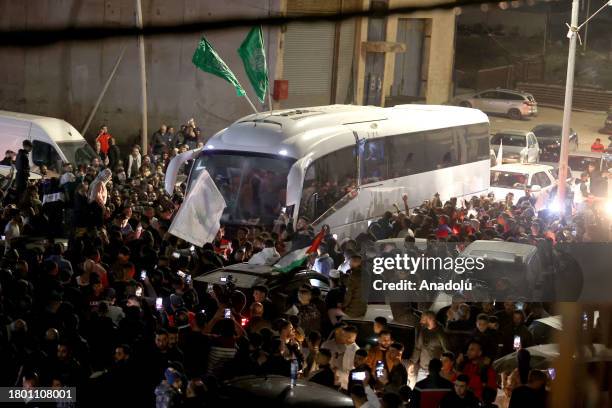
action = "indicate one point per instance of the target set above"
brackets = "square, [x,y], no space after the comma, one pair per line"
[143,79]
[567,107]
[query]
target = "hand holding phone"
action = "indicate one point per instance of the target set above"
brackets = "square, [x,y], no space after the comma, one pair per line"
[159,303]
[228,313]
[358,376]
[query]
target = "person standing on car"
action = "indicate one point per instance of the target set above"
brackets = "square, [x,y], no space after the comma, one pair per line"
[22,165]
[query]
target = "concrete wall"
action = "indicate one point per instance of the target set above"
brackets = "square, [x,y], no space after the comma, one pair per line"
[65,79]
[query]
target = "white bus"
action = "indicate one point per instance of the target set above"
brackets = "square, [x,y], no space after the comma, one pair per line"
[344,165]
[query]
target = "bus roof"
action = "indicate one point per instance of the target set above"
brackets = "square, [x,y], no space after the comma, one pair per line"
[59,130]
[296,132]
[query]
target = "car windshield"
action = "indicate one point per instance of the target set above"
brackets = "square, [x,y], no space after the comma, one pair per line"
[253,185]
[78,153]
[509,139]
[508,179]
[548,131]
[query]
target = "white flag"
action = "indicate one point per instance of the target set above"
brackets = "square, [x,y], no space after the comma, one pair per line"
[197,220]
[500,153]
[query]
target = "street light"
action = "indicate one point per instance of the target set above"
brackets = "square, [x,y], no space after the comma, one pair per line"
[572,34]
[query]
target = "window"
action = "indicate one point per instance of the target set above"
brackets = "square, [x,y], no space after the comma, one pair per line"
[374,161]
[509,139]
[531,140]
[541,179]
[440,152]
[327,180]
[45,154]
[512,96]
[406,154]
[253,185]
[477,141]
[489,95]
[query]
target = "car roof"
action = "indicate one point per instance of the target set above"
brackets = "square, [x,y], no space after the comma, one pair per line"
[587,154]
[522,167]
[547,125]
[512,132]
[500,250]
[274,388]
[514,91]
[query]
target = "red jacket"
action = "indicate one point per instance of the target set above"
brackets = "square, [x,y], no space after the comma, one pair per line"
[103,138]
[481,376]
[598,147]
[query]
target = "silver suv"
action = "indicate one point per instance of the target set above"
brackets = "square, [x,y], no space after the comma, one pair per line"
[515,104]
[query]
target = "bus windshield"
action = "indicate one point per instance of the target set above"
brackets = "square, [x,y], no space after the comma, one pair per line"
[77,153]
[253,185]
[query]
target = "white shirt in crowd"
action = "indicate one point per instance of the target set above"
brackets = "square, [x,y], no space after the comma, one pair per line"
[346,364]
[266,256]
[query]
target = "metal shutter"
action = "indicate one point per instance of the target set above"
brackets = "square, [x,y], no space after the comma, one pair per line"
[344,92]
[308,56]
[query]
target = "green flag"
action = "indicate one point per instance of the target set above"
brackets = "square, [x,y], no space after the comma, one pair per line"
[254,58]
[206,58]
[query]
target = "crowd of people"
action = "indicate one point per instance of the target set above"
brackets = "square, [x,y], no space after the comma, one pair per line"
[114,308]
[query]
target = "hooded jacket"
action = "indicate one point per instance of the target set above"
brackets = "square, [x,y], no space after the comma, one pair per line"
[97,190]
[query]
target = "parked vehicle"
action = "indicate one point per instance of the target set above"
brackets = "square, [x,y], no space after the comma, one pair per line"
[518,146]
[54,141]
[514,104]
[579,162]
[549,139]
[282,287]
[513,178]
[275,391]
[519,265]
[607,129]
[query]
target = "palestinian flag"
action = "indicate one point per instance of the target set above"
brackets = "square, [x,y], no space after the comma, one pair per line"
[295,259]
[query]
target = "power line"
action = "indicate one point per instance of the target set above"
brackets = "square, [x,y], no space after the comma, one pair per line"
[41,37]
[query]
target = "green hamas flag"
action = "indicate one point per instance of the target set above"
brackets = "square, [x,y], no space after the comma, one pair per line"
[254,58]
[206,58]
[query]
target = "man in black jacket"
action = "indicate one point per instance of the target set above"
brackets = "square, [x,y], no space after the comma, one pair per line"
[324,375]
[460,397]
[22,165]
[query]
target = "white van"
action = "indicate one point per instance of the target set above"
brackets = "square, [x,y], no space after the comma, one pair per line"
[54,141]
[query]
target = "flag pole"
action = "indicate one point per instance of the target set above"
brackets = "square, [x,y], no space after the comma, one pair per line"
[250,103]
[269,97]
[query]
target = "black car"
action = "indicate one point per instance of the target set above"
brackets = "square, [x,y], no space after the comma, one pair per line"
[275,391]
[282,286]
[549,139]
[607,129]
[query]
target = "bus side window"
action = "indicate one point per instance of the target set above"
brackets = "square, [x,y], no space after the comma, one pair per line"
[374,162]
[439,145]
[327,180]
[44,153]
[406,154]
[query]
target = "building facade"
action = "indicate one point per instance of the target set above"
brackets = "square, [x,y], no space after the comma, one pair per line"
[377,61]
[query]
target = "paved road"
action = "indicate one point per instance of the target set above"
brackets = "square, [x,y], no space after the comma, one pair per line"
[586,124]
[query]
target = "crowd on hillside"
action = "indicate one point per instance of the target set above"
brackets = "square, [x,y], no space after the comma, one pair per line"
[114,309]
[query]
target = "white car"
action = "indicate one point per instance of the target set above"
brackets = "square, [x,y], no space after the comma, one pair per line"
[512,178]
[518,146]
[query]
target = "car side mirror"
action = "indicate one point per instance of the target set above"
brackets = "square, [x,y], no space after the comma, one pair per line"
[536,188]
